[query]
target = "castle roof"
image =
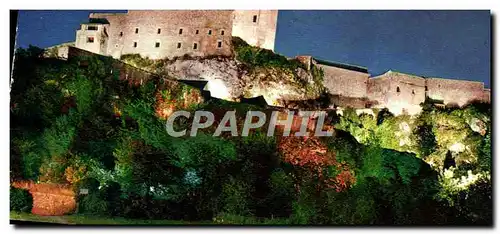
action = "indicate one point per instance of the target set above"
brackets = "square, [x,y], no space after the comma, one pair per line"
[342,65]
[98,21]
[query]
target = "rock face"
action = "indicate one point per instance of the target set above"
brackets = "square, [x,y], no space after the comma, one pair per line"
[230,80]
[478,126]
[404,134]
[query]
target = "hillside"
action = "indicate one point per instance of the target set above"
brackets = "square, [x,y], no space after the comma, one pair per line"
[78,123]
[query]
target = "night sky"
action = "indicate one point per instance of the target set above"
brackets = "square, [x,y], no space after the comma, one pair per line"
[448,44]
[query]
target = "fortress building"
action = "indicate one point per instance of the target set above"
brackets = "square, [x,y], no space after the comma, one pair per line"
[352,86]
[171,33]
[175,33]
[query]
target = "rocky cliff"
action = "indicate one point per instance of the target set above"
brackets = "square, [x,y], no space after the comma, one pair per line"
[252,72]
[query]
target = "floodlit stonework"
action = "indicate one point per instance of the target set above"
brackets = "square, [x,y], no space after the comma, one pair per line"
[352,86]
[173,33]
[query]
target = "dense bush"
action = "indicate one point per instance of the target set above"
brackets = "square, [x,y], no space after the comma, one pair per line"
[20,200]
[93,204]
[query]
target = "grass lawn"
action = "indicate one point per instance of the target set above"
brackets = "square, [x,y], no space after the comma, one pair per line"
[77,219]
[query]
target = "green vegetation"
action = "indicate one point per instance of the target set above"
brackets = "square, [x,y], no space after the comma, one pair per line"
[254,58]
[259,57]
[78,219]
[82,126]
[20,200]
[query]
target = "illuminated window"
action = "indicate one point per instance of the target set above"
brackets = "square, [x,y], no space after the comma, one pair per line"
[90,39]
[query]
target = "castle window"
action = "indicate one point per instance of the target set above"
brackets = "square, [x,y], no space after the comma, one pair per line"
[255,18]
[90,39]
[210,32]
[135,44]
[195,46]
[178,45]
[121,34]
[157,44]
[219,44]
[197,31]
[136,30]
[426,88]
[92,28]
[180,31]
[159,31]
[222,32]
[398,90]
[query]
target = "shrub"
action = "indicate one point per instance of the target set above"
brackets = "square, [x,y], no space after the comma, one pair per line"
[255,56]
[235,194]
[93,204]
[137,60]
[20,200]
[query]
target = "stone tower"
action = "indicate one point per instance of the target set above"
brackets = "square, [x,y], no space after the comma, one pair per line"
[256,27]
[93,36]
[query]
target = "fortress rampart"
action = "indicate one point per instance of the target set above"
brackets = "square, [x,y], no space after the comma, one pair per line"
[352,86]
[175,33]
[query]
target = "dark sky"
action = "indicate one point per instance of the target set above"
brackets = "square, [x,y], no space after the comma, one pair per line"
[448,44]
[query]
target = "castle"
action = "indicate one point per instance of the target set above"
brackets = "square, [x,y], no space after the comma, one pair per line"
[166,34]
[174,33]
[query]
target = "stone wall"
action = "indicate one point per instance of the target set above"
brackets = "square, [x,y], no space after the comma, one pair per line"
[399,92]
[174,33]
[93,37]
[160,34]
[352,86]
[342,81]
[456,92]
[58,51]
[130,73]
[486,95]
[256,27]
